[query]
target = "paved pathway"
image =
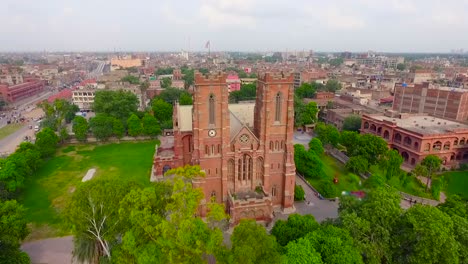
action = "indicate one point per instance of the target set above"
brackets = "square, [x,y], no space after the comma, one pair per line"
[50,251]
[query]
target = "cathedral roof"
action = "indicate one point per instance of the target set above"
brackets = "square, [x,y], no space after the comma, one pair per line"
[240,115]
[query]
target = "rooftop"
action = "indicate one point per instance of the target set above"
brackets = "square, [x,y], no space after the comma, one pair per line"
[424,124]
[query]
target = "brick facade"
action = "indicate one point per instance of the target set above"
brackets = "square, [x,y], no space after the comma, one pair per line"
[245,150]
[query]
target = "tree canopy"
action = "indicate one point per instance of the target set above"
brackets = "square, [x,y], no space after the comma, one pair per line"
[118,104]
[352,123]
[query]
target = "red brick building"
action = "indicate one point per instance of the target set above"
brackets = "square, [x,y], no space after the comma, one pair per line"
[444,102]
[416,136]
[245,150]
[30,87]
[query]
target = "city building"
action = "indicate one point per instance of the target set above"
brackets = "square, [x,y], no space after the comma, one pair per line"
[309,76]
[233,82]
[444,102]
[124,63]
[416,136]
[20,88]
[83,98]
[420,76]
[245,149]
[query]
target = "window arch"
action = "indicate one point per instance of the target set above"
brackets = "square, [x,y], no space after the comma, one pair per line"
[276,145]
[407,140]
[212,149]
[219,148]
[397,137]
[278,107]
[231,170]
[462,141]
[259,170]
[366,125]
[207,150]
[239,170]
[455,142]
[271,145]
[273,191]
[211,106]
[447,145]
[416,145]
[373,128]
[437,145]
[386,134]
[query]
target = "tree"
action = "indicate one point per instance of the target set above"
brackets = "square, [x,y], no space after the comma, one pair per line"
[428,166]
[162,110]
[306,90]
[425,235]
[13,230]
[150,126]
[371,147]
[31,154]
[47,141]
[63,135]
[93,214]
[456,208]
[251,244]
[350,140]
[295,227]
[166,82]
[306,160]
[328,134]
[352,123]
[80,128]
[315,145]
[299,193]
[118,128]
[246,92]
[134,126]
[101,126]
[185,99]
[390,163]
[372,223]
[334,245]
[401,66]
[118,104]
[131,79]
[357,164]
[163,223]
[333,86]
[14,170]
[302,251]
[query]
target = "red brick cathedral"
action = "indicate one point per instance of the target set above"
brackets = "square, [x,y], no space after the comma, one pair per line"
[245,149]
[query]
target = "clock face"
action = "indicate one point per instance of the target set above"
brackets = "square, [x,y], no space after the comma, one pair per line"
[212,133]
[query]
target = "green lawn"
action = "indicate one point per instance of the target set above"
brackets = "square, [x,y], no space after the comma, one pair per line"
[346,180]
[9,129]
[456,182]
[48,191]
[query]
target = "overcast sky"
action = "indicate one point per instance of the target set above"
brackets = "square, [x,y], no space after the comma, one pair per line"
[235,25]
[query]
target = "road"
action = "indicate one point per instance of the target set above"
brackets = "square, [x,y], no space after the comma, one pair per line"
[56,250]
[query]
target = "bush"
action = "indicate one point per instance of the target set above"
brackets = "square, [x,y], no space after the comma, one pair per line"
[375,181]
[299,194]
[327,188]
[353,178]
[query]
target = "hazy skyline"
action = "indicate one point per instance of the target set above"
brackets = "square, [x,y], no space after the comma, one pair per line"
[236,25]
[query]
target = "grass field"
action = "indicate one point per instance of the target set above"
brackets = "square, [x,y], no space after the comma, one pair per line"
[9,129]
[49,190]
[346,180]
[456,182]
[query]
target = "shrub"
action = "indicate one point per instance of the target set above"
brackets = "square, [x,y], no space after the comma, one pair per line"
[299,194]
[327,188]
[374,181]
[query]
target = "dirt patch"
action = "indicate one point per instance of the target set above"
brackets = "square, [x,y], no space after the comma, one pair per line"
[72,189]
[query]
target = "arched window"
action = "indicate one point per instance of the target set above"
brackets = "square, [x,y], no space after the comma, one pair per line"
[212,149]
[211,106]
[366,125]
[278,107]
[437,145]
[273,191]
[455,142]
[397,137]
[379,130]
[447,145]
[373,127]
[239,170]
[271,145]
[231,170]
[259,170]
[386,135]
[276,145]
[462,141]
[407,140]
[207,150]
[405,156]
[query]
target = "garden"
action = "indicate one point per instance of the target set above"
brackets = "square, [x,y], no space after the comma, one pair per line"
[46,193]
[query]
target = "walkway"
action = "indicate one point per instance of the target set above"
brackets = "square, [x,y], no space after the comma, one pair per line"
[50,251]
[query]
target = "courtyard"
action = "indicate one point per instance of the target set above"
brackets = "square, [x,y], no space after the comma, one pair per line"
[47,193]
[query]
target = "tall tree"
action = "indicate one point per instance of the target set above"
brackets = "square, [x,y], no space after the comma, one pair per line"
[101,126]
[306,90]
[316,146]
[162,110]
[428,167]
[47,141]
[390,163]
[93,214]
[13,230]
[185,99]
[118,128]
[150,126]
[352,123]
[251,244]
[80,128]
[425,235]
[333,86]
[302,251]
[31,154]
[118,104]
[134,126]
[295,227]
